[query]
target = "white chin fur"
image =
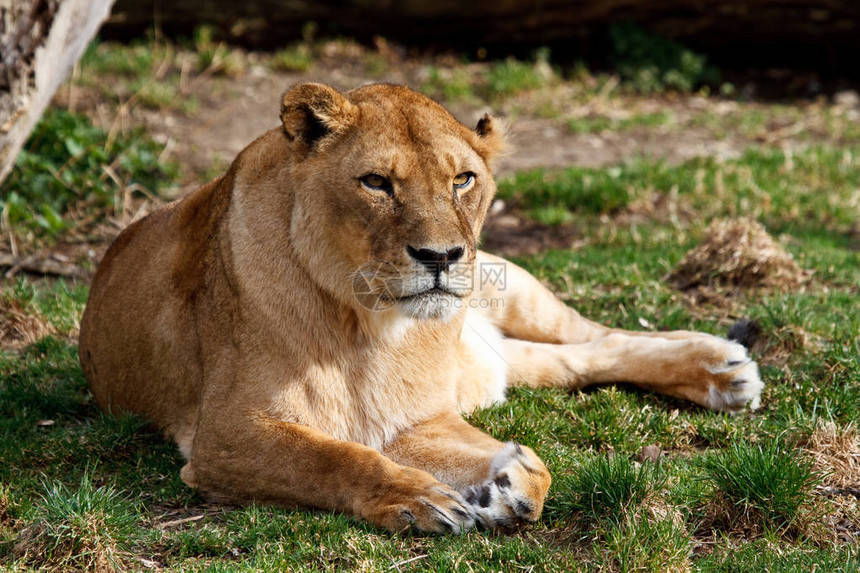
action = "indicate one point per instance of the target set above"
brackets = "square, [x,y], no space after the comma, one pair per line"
[433,305]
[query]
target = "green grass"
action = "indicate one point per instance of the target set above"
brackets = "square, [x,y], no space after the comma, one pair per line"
[600,123]
[651,63]
[810,193]
[132,60]
[300,56]
[512,76]
[764,557]
[606,488]
[296,58]
[87,527]
[571,190]
[762,479]
[495,82]
[451,85]
[157,73]
[644,542]
[68,163]
[603,511]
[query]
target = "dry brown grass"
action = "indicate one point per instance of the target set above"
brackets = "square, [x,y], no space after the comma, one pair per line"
[5,505]
[737,253]
[37,547]
[785,342]
[835,451]
[831,517]
[816,522]
[20,326]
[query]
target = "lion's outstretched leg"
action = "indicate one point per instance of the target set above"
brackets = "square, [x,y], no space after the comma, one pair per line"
[264,460]
[550,344]
[521,307]
[505,483]
[709,371]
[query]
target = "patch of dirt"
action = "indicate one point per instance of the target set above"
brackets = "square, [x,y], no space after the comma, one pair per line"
[737,253]
[507,234]
[546,143]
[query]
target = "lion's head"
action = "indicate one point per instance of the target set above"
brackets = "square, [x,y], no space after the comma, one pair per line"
[390,195]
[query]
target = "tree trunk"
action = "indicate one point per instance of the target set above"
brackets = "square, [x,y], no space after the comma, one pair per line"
[40,41]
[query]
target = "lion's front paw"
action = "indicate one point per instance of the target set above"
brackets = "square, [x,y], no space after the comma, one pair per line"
[735,380]
[515,490]
[421,503]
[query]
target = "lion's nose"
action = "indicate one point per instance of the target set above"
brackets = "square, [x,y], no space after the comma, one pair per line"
[435,260]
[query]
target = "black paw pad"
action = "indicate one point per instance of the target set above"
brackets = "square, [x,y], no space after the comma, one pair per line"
[485,497]
[524,507]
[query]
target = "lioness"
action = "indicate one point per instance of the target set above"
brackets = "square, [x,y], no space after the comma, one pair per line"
[231,319]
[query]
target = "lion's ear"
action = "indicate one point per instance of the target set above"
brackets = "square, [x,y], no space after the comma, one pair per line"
[313,113]
[493,137]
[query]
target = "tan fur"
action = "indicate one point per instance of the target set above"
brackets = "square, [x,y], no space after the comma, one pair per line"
[230,319]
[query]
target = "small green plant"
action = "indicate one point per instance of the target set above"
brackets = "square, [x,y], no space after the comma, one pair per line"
[132,60]
[67,162]
[205,46]
[158,95]
[608,488]
[215,55]
[448,84]
[767,480]
[511,76]
[90,528]
[652,63]
[296,58]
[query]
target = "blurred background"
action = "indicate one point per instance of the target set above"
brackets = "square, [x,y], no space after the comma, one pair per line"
[820,37]
[185,85]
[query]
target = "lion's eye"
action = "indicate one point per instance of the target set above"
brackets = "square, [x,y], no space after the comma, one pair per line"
[464,180]
[376,182]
